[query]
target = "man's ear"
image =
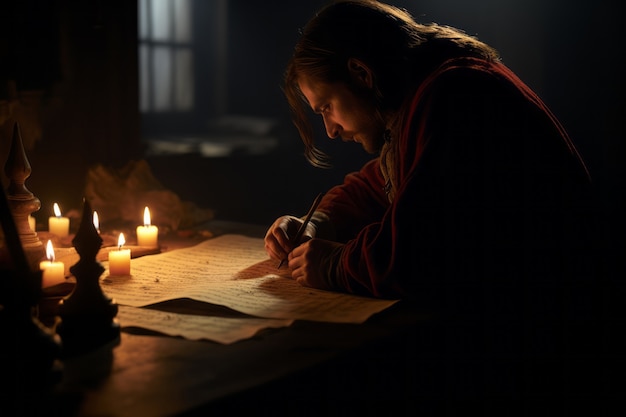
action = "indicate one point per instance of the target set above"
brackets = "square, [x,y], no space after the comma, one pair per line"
[360,72]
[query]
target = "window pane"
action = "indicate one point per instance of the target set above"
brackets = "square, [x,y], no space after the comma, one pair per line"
[184,80]
[144,27]
[182,20]
[160,20]
[162,70]
[144,78]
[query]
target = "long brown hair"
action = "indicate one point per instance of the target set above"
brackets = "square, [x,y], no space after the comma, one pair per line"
[399,51]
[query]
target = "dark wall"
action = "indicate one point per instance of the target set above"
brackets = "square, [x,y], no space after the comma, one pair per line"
[261,38]
[570,53]
[76,95]
[69,78]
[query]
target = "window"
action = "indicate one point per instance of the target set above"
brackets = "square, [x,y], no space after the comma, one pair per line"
[181,49]
[166,55]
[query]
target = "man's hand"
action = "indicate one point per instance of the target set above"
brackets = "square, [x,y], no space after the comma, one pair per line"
[278,239]
[310,262]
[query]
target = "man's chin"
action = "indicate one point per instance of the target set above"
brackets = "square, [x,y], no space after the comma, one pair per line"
[370,150]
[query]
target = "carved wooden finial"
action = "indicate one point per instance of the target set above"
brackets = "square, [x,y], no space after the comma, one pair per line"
[17,167]
[87,314]
[21,201]
[87,240]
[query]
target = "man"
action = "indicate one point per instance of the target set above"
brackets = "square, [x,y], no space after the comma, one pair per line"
[475,179]
[477,209]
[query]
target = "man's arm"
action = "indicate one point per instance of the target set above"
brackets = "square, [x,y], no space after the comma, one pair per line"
[347,208]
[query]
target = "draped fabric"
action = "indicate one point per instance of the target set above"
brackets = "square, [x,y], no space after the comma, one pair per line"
[484,184]
[490,230]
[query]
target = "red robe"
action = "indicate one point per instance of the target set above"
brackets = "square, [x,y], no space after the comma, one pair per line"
[489,190]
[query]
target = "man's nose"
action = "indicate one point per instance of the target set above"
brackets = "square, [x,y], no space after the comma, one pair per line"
[332,129]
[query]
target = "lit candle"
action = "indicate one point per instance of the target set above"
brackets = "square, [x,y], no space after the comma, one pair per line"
[33,223]
[58,225]
[147,235]
[119,260]
[96,221]
[53,272]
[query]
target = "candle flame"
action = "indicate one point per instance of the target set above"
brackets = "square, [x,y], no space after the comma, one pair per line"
[96,221]
[57,210]
[50,251]
[146,217]
[121,241]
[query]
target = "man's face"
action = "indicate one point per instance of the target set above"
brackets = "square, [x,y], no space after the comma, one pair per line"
[345,114]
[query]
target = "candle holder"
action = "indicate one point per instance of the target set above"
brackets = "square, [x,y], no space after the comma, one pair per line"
[87,314]
[29,350]
[22,202]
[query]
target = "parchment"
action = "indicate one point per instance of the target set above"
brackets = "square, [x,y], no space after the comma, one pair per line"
[234,271]
[225,330]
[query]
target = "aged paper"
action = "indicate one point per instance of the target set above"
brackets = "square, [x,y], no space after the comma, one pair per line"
[234,271]
[225,330]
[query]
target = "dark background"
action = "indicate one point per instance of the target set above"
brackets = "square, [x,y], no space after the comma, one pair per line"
[68,74]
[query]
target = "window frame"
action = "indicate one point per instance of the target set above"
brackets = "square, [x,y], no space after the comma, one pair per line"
[206,47]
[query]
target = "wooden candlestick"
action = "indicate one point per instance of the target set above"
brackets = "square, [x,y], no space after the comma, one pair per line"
[29,350]
[22,202]
[87,314]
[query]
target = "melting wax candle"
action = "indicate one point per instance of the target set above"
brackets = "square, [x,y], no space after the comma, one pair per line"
[57,224]
[147,235]
[53,272]
[119,260]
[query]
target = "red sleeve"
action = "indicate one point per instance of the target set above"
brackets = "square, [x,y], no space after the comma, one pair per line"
[359,201]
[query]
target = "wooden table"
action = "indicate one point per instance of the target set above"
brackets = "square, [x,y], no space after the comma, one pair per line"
[398,363]
[308,368]
[316,367]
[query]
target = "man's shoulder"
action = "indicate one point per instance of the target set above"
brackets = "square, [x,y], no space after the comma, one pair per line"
[468,78]
[465,72]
